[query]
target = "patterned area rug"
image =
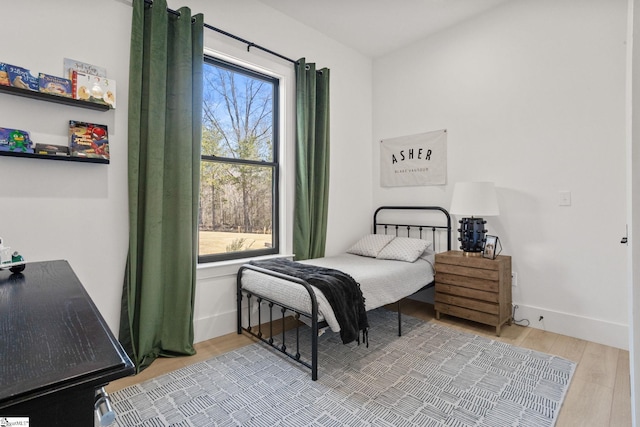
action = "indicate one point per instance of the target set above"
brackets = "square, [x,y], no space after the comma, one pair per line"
[431,376]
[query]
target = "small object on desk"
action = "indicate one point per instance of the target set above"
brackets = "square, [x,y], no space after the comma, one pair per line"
[13,261]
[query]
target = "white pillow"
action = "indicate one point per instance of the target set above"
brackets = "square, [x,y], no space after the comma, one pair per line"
[429,255]
[370,245]
[404,249]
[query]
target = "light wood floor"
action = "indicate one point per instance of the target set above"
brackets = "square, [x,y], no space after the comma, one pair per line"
[599,395]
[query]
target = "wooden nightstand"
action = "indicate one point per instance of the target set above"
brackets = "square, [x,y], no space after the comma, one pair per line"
[474,288]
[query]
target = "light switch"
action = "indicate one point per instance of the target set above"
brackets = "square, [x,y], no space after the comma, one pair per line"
[564,198]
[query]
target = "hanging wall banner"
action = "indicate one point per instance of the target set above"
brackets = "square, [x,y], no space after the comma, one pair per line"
[414,160]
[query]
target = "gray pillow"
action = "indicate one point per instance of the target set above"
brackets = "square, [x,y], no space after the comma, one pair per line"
[370,245]
[404,249]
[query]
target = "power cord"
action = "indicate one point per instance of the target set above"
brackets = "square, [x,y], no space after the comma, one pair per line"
[521,322]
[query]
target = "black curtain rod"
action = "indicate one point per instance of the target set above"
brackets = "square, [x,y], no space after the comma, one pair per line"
[249,44]
[225,33]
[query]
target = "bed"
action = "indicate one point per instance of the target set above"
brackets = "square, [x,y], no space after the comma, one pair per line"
[394,261]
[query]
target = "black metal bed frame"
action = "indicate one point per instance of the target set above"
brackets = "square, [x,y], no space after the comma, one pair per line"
[281,344]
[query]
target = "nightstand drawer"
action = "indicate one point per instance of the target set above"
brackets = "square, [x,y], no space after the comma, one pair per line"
[465,313]
[468,282]
[477,273]
[467,292]
[471,304]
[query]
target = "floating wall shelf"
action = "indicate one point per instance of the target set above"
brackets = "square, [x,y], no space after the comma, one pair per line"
[53,98]
[52,157]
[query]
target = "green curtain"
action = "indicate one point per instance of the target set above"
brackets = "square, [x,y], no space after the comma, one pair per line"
[312,161]
[165,115]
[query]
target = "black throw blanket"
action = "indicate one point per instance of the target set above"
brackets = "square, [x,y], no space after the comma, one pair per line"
[342,292]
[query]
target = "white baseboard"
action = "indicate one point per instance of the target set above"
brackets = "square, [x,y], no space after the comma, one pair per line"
[586,328]
[214,326]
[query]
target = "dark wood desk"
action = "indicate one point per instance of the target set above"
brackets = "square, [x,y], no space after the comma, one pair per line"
[55,347]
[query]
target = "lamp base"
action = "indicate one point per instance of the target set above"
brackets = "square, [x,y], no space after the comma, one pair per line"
[472,233]
[472,254]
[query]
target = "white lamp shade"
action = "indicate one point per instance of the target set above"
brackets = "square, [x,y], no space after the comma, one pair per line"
[474,199]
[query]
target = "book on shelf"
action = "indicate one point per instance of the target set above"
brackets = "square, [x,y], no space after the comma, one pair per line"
[15,140]
[4,75]
[92,88]
[71,65]
[88,140]
[54,85]
[52,150]
[22,78]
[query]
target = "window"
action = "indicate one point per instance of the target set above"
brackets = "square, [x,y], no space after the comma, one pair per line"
[239,163]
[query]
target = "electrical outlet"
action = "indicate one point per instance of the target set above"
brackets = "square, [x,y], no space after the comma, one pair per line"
[564,198]
[514,278]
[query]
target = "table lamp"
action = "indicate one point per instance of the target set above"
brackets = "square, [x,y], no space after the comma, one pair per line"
[473,200]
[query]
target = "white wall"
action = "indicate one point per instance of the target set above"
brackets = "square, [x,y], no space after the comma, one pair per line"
[533,96]
[633,182]
[63,210]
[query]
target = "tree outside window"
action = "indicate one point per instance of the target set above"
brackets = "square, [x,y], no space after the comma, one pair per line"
[239,169]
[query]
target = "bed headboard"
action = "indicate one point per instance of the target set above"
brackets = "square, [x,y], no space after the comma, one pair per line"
[431,223]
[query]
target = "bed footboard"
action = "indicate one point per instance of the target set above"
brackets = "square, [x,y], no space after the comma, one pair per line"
[267,337]
[257,332]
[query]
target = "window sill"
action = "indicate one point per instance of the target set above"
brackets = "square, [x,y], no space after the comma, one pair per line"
[226,268]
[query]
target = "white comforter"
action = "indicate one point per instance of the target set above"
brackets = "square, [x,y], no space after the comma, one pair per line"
[381,281]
